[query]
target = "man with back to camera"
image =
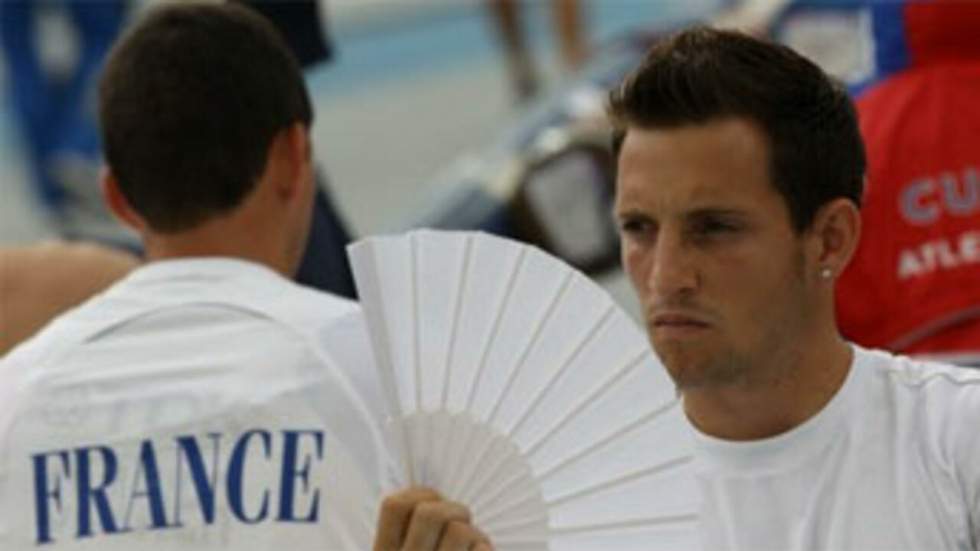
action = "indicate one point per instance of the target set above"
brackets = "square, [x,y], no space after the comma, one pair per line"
[205,401]
[740,170]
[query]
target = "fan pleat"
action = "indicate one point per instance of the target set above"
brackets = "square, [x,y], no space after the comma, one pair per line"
[606,440]
[562,369]
[588,400]
[538,327]
[619,480]
[413,274]
[457,311]
[491,338]
[631,523]
[519,389]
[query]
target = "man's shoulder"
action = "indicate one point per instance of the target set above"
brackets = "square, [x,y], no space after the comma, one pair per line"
[316,312]
[314,300]
[920,374]
[311,314]
[927,409]
[935,394]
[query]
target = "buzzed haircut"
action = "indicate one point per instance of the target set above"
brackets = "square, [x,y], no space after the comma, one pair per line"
[701,75]
[189,103]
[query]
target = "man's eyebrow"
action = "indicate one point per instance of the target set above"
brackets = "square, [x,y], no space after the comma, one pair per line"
[701,212]
[717,212]
[629,212]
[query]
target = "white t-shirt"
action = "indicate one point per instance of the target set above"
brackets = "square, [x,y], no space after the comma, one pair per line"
[197,404]
[891,463]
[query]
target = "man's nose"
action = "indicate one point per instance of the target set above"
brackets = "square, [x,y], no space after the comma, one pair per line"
[674,270]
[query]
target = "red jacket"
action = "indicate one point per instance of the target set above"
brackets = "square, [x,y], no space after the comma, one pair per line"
[914,285]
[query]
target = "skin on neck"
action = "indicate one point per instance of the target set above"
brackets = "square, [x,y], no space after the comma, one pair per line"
[246,233]
[798,382]
[268,227]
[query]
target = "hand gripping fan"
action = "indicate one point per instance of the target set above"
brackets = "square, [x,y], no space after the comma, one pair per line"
[522,391]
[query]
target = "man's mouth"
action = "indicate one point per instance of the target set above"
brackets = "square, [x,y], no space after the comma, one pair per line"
[677,324]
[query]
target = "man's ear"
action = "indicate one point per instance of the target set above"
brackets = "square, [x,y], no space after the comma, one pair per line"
[293,156]
[117,202]
[834,237]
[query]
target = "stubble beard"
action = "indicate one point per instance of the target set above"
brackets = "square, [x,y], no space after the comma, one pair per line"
[767,362]
[693,369]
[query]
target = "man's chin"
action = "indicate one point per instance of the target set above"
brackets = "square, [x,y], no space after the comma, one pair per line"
[687,377]
[681,363]
[693,367]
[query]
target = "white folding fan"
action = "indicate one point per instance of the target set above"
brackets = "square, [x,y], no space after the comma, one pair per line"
[522,391]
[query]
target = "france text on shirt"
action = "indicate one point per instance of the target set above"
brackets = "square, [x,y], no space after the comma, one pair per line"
[100,490]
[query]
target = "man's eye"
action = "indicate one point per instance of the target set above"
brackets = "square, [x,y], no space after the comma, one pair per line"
[716,226]
[633,226]
[708,228]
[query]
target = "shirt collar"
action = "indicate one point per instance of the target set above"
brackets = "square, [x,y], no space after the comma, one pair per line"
[201,268]
[791,447]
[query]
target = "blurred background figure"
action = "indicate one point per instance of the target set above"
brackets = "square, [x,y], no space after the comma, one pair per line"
[755,17]
[324,265]
[51,93]
[572,39]
[40,281]
[914,285]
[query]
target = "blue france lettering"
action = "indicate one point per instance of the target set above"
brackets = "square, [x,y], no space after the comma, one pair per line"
[109,500]
[235,474]
[94,495]
[203,486]
[290,474]
[45,493]
[153,492]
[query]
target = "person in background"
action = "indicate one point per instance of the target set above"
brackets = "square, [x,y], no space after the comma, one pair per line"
[921,214]
[206,401]
[41,281]
[740,174]
[914,283]
[509,24]
[324,265]
[55,109]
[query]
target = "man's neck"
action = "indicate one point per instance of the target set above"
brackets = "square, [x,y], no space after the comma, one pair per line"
[795,391]
[221,239]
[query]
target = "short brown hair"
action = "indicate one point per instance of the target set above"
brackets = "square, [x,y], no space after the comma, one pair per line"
[189,103]
[703,74]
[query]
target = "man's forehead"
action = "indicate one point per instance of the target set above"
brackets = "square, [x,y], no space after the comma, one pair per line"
[722,165]
[694,191]
[732,134]
[687,206]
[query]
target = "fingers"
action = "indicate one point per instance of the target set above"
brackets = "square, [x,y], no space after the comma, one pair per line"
[396,514]
[430,521]
[420,520]
[460,536]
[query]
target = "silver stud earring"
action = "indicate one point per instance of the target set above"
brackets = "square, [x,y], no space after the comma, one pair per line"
[826,273]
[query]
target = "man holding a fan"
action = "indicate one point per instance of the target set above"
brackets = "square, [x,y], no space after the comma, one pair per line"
[740,176]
